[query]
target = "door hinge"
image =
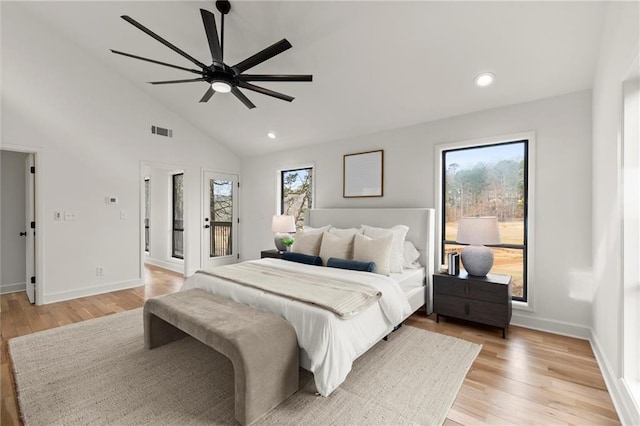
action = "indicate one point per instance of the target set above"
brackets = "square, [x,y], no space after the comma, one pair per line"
[33,280]
[33,225]
[33,169]
[238,255]
[238,220]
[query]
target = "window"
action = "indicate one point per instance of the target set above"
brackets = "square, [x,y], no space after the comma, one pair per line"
[489,180]
[296,193]
[147,209]
[177,240]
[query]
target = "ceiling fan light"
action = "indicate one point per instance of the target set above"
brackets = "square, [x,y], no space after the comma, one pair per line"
[221,86]
[484,79]
[271,135]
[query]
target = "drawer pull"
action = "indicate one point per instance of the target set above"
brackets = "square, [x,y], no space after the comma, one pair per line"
[466,309]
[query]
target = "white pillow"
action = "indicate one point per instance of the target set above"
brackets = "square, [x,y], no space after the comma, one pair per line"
[348,232]
[334,246]
[321,229]
[307,243]
[411,256]
[377,250]
[399,233]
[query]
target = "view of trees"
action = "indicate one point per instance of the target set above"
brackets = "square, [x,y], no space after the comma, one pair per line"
[177,246]
[485,189]
[221,208]
[296,195]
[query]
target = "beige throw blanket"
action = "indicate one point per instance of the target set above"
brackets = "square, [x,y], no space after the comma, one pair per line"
[345,299]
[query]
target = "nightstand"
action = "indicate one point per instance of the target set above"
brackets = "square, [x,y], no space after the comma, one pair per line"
[273,253]
[485,300]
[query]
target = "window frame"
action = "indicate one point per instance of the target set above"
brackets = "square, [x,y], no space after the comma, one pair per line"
[281,171]
[174,255]
[528,252]
[147,215]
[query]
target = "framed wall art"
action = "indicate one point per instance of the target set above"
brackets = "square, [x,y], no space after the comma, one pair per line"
[362,174]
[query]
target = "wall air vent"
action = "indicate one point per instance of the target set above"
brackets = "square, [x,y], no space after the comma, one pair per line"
[156,130]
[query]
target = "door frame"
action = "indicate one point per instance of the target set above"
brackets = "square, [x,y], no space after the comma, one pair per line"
[39,216]
[204,250]
[188,256]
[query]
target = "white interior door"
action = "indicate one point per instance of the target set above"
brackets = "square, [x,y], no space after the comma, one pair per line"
[30,218]
[220,219]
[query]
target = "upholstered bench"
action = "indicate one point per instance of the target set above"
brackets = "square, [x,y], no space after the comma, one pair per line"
[262,347]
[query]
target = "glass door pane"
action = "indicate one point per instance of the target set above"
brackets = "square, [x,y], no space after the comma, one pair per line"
[221,214]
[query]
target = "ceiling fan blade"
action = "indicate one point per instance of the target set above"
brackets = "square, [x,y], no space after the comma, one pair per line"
[207,95]
[264,91]
[178,81]
[263,55]
[153,61]
[161,40]
[275,77]
[242,98]
[209,21]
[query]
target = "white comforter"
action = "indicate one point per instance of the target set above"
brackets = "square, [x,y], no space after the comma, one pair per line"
[328,344]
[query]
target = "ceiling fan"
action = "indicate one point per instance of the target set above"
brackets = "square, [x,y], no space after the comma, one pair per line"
[221,77]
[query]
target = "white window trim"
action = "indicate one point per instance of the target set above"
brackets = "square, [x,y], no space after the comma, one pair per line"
[279,183]
[531,137]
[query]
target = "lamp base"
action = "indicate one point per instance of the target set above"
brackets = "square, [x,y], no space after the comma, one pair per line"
[477,260]
[277,239]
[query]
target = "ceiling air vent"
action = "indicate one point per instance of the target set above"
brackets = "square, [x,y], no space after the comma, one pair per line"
[156,130]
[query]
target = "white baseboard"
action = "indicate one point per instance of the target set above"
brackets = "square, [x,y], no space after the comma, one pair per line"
[12,288]
[552,326]
[175,267]
[626,407]
[90,291]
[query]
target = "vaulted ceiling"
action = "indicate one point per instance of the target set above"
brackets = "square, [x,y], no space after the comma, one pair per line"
[376,65]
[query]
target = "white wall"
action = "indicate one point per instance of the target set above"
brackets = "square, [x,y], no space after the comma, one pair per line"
[618,49]
[160,229]
[563,198]
[12,203]
[93,131]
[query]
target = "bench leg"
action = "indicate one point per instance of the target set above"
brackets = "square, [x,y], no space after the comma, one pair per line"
[260,390]
[158,332]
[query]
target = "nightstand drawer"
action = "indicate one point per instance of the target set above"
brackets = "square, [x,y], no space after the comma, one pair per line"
[471,289]
[472,310]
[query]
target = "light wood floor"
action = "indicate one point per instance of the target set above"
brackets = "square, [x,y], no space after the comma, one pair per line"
[529,378]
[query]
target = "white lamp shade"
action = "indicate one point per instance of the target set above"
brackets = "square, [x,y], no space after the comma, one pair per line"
[478,230]
[283,224]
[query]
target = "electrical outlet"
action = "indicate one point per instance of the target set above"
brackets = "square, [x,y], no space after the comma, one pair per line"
[123,215]
[99,271]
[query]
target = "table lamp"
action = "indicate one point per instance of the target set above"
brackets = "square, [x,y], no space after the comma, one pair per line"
[281,225]
[477,231]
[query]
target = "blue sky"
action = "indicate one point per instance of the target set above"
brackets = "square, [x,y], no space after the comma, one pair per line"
[466,158]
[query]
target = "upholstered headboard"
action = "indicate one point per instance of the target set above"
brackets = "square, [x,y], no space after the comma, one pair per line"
[421,223]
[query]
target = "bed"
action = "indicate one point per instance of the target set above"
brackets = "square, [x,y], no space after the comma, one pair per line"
[328,343]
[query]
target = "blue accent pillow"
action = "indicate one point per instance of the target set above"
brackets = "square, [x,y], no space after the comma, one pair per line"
[302,258]
[354,265]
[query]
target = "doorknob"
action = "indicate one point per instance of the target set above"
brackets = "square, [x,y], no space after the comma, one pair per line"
[207,226]
[23,234]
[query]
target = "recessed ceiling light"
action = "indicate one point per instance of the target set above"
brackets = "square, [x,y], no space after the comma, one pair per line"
[271,135]
[484,79]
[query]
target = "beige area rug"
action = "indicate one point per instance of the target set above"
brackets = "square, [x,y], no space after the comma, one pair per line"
[97,372]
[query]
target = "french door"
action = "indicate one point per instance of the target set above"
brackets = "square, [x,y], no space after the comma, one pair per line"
[220,219]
